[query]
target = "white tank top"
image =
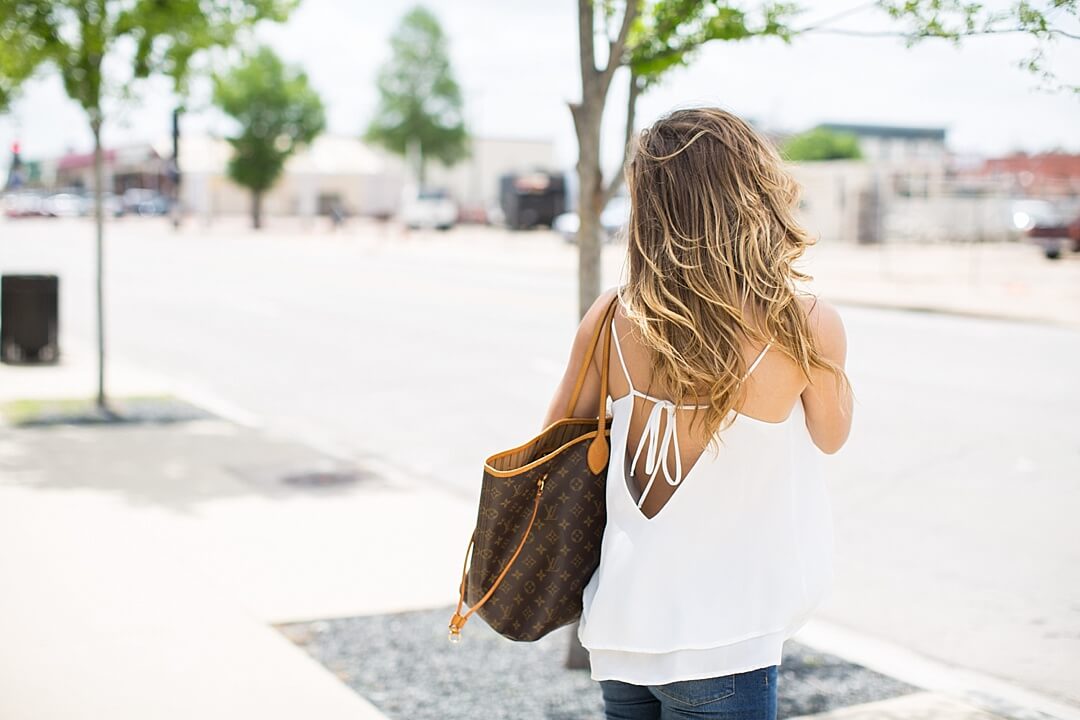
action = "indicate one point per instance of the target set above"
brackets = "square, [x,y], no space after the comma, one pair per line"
[729,568]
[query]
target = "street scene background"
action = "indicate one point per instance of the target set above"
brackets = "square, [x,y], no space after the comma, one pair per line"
[308,358]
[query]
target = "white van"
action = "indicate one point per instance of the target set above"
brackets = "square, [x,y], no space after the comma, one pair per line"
[428,208]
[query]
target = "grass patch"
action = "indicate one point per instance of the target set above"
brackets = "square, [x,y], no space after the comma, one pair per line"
[84,410]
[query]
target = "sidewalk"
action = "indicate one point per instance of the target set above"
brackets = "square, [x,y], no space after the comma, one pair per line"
[996,280]
[146,565]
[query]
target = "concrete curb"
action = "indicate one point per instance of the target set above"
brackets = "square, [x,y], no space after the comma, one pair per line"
[946,681]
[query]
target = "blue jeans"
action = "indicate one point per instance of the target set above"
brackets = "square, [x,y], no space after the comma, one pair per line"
[743,696]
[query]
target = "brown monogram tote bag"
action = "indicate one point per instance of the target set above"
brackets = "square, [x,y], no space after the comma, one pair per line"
[541,519]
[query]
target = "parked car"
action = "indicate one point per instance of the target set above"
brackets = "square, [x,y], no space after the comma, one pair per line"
[1047,227]
[1025,214]
[110,203]
[428,208]
[613,220]
[142,201]
[66,204]
[1056,238]
[25,203]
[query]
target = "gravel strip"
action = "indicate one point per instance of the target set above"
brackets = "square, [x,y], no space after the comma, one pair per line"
[404,664]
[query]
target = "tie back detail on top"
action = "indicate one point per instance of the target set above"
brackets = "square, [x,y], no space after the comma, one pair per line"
[659,443]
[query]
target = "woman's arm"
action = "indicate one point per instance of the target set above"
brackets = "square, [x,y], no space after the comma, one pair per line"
[828,408]
[588,401]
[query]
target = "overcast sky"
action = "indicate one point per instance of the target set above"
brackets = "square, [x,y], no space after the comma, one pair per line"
[516,61]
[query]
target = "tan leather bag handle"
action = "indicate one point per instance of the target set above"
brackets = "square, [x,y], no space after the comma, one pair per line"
[584,371]
[598,449]
[598,457]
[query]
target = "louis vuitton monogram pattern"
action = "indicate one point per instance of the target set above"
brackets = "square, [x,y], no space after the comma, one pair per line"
[542,591]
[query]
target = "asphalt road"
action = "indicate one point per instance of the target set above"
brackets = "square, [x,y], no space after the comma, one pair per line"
[955,499]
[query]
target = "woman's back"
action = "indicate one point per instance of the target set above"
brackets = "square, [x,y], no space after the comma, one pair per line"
[770,391]
[709,562]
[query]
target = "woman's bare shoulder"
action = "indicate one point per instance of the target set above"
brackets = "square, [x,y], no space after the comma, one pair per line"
[596,311]
[825,323]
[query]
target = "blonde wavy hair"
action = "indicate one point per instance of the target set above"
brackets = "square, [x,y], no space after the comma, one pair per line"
[712,239]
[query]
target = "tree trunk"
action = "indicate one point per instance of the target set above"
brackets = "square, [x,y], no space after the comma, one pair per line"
[591,198]
[577,657]
[256,209]
[99,234]
[587,118]
[590,203]
[591,193]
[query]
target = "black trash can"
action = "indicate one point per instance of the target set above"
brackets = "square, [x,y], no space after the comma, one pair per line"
[29,319]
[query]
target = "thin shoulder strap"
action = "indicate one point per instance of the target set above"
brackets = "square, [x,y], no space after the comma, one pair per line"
[758,359]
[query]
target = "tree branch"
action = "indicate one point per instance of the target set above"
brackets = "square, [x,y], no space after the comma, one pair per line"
[575,113]
[585,41]
[840,16]
[920,36]
[631,111]
[617,46]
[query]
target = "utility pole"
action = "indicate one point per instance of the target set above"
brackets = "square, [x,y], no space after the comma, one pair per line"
[173,171]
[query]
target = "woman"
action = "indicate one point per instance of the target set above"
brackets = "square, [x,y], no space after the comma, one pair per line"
[726,385]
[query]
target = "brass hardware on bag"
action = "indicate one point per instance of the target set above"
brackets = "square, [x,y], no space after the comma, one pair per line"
[455,628]
[540,485]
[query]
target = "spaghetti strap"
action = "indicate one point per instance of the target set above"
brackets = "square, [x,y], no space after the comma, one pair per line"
[758,359]
[626,370]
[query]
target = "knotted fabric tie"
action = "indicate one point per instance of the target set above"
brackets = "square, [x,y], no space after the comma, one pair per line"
[657,454]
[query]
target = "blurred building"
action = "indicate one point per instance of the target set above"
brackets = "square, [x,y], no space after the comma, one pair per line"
[1046,176]
[134,166]
[334,171]
[895,143]
[904,188]
[835,193]
[906,161]
[474,183]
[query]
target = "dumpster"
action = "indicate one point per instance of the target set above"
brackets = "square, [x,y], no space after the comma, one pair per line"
[532,199]
[29,319]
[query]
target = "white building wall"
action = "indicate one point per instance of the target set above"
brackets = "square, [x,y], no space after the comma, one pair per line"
[833,192]
[367,180]
[830,196]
